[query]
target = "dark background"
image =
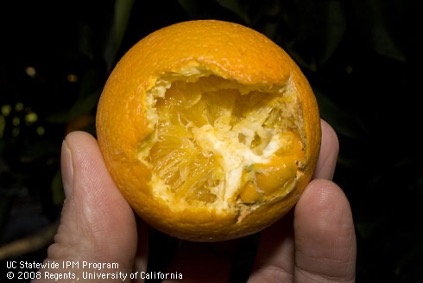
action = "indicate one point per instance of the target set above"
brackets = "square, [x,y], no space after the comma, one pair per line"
[362,58]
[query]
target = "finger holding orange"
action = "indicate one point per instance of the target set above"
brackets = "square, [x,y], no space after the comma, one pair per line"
[209,129]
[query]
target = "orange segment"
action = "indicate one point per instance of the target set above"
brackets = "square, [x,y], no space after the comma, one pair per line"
[209,129]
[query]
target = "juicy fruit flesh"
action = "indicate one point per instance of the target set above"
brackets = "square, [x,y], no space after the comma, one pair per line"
[216,142]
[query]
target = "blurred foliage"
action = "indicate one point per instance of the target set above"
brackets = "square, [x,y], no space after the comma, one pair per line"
[362,58]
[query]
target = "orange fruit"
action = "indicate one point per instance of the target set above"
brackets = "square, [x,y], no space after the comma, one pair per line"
[209,130]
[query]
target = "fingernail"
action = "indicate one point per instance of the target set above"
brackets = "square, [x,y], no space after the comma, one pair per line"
[67,168]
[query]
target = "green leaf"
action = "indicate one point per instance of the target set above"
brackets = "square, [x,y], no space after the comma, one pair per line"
[333,30]
[316,32]
[6,199]
[121,17]
[384,43]
[238,7]
[38,149]
[85,44]
[82,106]
[90,89]
[380,22]
[342,122]
[191,7]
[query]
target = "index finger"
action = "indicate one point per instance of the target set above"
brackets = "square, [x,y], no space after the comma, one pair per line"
[328,156]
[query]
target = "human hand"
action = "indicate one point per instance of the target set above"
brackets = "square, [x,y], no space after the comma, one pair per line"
[316,243]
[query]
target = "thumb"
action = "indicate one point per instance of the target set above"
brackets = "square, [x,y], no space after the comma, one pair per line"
[97,225]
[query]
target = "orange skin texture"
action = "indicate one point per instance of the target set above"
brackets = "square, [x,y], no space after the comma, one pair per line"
[228,50]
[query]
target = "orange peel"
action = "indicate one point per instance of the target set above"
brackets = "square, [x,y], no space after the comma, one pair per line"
[209,129]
